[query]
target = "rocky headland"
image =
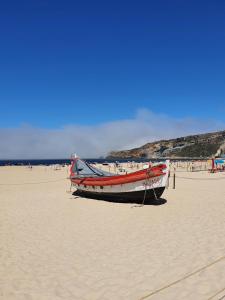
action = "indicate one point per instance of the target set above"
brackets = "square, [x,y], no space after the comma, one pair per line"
[193,146]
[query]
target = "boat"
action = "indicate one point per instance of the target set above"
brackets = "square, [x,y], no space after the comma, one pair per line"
[139,186]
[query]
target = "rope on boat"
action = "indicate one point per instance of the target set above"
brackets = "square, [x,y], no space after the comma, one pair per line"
[143,202]
[156,198]
[184,278]
[146,182]
[28,183]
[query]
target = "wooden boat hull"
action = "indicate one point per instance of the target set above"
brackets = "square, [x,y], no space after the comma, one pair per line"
[132,197]
[140,186]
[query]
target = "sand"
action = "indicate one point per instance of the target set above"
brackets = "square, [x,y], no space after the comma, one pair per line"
[54,245]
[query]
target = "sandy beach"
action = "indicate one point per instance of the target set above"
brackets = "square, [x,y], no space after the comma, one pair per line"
[54,245]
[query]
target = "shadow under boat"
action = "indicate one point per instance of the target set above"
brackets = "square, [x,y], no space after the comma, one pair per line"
[149,198]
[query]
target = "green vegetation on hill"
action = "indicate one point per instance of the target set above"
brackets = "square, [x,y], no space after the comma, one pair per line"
[197,150]
[201,145]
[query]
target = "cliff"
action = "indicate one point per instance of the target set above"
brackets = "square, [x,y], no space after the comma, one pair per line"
[201,145]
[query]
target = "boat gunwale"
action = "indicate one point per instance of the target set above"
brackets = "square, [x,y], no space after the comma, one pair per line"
[148,173]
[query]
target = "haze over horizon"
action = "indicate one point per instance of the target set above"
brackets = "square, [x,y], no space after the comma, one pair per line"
[93,77]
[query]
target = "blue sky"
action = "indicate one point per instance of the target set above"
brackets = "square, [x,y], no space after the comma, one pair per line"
[88,62]
[91,65]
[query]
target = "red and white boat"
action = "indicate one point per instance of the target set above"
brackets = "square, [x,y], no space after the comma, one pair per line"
[146,184]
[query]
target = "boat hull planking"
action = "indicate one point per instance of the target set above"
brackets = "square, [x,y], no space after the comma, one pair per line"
[136,197]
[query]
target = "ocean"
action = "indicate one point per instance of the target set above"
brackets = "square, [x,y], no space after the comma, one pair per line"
[47,162]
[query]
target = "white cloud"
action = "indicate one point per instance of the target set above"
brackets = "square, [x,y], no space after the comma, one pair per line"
[94,141]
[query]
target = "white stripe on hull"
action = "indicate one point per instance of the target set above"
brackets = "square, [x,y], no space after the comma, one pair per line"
[147,184]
